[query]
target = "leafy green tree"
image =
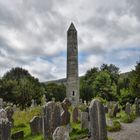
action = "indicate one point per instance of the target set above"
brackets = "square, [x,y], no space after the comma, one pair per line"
[56,91]
[135,80]
[103,86]
[19,87]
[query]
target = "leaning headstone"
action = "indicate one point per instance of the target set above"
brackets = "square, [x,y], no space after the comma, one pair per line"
[84,120]
[128,108]
[5,126]
[75,115]
[36,125]
[137,103]
[65,115]
[51,119]
[18,135]
[97,121]
[61,133]
[10,113]
[1,103]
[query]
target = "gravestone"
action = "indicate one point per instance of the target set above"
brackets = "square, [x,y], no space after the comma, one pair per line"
[65,115]
[36,125]
[5,126]
[84,120]
[1,103]
[128,108]
[85,102]
[114,110]
[97,121]
[18,135]
[43,100]
[137,104]
[10,113]
[51,119]
[32,103]
[106,109]
[75,115]
[61,133]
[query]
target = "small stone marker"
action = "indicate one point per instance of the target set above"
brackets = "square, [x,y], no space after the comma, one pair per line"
[61,133]
[18,135]
[97,121]
[51,119]
[32,103]
[84,120]
[128,108]
[36,125]
[75,115]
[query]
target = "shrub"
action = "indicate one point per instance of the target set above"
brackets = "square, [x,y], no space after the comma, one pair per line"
[115,127]
[127,118]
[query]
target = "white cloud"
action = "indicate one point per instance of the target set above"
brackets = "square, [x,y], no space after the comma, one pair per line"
[32,30]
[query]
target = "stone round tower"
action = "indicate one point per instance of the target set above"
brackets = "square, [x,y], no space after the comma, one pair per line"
[72,86]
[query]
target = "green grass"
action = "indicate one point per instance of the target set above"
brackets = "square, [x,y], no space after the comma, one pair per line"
[21,122]
[127,118]
[78,133]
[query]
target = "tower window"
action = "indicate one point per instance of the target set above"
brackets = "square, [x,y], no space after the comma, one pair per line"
[73,93]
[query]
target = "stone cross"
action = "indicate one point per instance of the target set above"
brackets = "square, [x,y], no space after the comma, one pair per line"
[97,121]
[51,119]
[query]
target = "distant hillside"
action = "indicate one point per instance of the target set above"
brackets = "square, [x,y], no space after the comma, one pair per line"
[63,80]
[59,81]
[124,75]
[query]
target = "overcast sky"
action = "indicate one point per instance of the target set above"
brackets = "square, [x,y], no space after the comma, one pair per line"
[33,34]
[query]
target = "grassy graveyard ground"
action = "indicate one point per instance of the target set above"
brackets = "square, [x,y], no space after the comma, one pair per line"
[21,122]
[22,119]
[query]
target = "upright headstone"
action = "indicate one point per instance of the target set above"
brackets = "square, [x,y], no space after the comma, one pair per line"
[51,119]
[72,85]
[36,125]
[65,115]
[137,103]
[61,133]
[97,121]
[114,110]
[10,113]
[128,108]
[1,103]
[75,115]
[84,120]
[5,126]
